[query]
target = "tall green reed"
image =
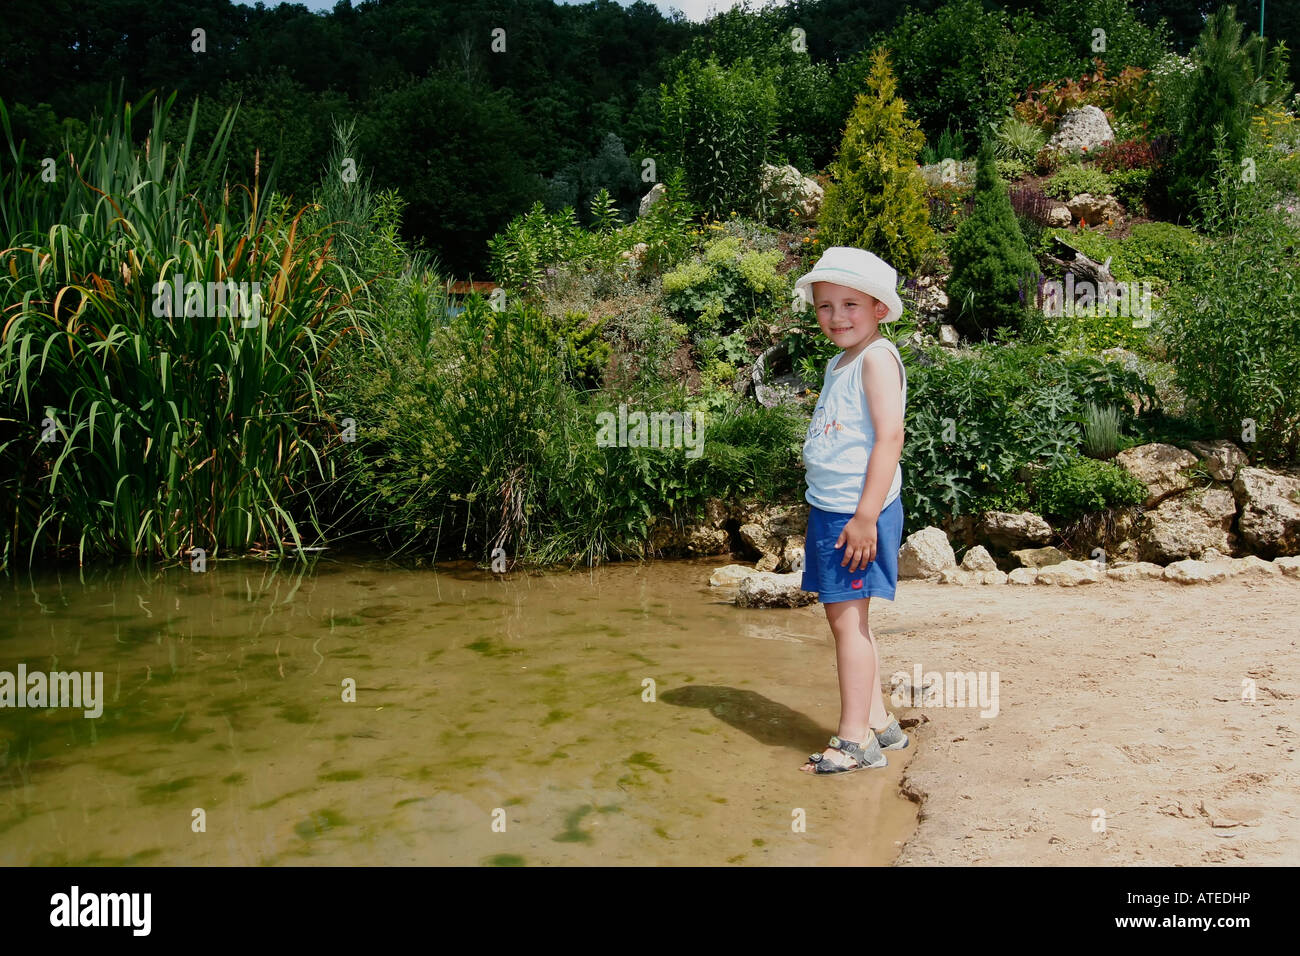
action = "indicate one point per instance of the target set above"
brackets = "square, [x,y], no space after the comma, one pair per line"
[128,432]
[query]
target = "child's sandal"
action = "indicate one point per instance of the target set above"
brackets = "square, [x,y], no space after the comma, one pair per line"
[863,758]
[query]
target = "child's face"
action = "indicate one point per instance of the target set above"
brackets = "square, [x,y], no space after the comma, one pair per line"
[847,317]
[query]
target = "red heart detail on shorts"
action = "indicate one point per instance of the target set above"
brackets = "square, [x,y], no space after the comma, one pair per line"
[857,585]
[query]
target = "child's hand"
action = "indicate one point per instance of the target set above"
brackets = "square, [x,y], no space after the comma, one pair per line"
[860,533]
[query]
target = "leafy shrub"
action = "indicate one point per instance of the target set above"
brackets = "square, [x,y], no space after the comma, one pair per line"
[989,256]
[724,286]
[1012,169]
[1230,326]
[1131,187]
[975,420]
[876,199]
[1048,160]
[965,61]
[1078,486]
[1128,94]
[1075,178]
[1128,154]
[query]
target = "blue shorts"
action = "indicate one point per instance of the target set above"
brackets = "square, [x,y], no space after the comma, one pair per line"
[832,582]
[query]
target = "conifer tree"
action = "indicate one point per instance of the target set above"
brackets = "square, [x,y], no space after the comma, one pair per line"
[993,270]
[876,200]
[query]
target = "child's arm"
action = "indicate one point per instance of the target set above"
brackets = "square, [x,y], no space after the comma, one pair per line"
[884,388]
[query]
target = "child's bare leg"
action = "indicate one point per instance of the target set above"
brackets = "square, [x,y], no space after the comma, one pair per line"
[879,716]
[861,703]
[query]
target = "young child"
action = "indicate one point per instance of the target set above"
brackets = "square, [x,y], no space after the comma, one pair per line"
[855,522]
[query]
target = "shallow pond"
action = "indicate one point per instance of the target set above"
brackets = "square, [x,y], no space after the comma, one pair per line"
[496,721]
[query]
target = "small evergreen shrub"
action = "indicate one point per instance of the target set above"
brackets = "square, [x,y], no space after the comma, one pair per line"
[990,257]
[876,200]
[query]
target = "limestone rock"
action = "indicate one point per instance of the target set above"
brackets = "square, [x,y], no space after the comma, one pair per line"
[993,576]
[792,553]
[766,544]
[1138,571]
[1069,574]
[1039,557]
[1191,571]
[1158,466]
[729,576]
[1094,209]
[925,553]
[956,575]
[1059,216]
[1083,129]
[1187,525]
[1008,531]
[765,589]
[655,194]
[978,559]
[1023,576]
[703,540]
[1269,504]
[1290,566]
[1222,458]
[791,189]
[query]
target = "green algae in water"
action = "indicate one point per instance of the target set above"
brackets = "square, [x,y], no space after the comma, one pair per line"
[571,832]
[295,714]
[555,716]
[662,833]
[643,759]
[489,649]
[158,792]
[234,778]
[504,859]
[340,775]
[352,620]
[284,796]
[322,821]
[758,841]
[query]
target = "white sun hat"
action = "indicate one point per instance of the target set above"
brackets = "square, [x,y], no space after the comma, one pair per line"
[857,269]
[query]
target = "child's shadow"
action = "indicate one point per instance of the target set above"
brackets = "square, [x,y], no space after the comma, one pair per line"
[765,720]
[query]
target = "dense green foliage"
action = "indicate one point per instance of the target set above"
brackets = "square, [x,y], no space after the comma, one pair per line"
[1232,325]
[991,263]
[719,121]
[135,426]
[1080,485]
[974,423]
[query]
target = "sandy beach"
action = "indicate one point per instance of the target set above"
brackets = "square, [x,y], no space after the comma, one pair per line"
[1121,735]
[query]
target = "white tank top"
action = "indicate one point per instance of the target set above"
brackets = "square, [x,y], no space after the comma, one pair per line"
[840,437]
